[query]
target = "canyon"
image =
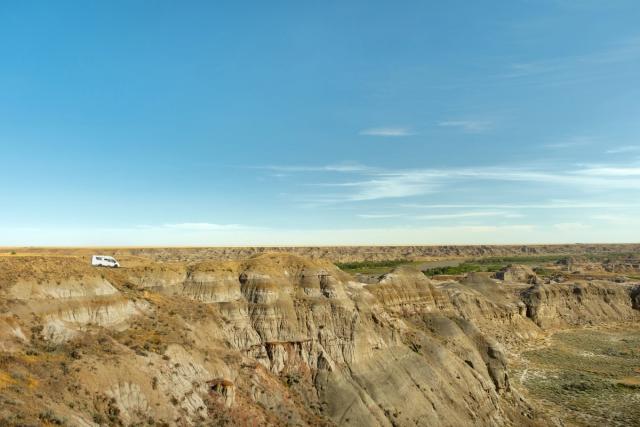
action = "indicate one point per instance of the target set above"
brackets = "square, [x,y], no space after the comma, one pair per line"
[183,337]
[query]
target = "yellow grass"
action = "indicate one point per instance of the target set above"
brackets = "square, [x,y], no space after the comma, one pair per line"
[6,380]
[630,381]
[156,298]
[32,383]
[39,358]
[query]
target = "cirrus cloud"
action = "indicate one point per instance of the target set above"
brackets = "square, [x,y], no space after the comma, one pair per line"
[387,131]
[205,226]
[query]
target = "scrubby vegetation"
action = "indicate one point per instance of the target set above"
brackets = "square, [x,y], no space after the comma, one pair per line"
[490,264]
[487,264]
[484,264]
[469,267]
[372,267]
[465,267]
[592,373]
[524,259]
[613,256]
[493,264]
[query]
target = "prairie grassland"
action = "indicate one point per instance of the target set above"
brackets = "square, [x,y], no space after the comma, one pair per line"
[591,376]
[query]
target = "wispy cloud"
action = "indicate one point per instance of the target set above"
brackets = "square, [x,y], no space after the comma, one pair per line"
[623,149]
[417,182]
[338,167]
[377,183]
[570,226]
[578,68]
[387,131]
[618,219]
[205,226]
[576,141]
[378,216]
[468,126]
[495,228]
[610,171]
[386,185]
[548,205]
[445,216]
[460,215]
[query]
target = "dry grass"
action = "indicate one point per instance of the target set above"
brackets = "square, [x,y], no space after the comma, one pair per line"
[588,377]
[6,380]
[631,382]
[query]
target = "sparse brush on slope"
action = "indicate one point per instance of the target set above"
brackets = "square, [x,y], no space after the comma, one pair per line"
[275,339]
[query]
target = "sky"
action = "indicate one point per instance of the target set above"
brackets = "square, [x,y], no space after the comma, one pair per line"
[319,123]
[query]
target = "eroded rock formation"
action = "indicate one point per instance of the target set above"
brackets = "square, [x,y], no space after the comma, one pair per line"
[580,303]
[275,339]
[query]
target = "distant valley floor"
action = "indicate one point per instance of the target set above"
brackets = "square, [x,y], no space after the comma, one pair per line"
[585,377]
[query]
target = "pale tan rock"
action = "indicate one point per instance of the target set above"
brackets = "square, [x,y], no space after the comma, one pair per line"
[580,303]
[278,339]
[517,273]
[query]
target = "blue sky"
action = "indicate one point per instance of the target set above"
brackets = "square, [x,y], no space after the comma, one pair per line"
[335,122]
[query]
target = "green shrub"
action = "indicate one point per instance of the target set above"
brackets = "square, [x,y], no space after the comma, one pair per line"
[453,270]
[464,268]
[361,265]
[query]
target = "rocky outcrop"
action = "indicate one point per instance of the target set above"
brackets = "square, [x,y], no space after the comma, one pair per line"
[406,291]
[492,308]
[378,253]
[12,337]
[68,320]
[276,339]
[164,276]
[582,303]
[362,343]
[517,273]
[67,295]
[635,296]
[212,284]
[130,401]
[356,253]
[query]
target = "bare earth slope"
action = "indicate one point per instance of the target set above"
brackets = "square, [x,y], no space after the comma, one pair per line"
[273,339]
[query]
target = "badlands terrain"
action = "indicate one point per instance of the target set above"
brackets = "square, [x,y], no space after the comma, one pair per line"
[366,336]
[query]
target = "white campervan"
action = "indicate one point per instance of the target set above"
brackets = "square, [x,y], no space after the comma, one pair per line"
[104,261]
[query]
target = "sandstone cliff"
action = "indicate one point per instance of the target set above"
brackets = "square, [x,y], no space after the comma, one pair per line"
[580,303]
